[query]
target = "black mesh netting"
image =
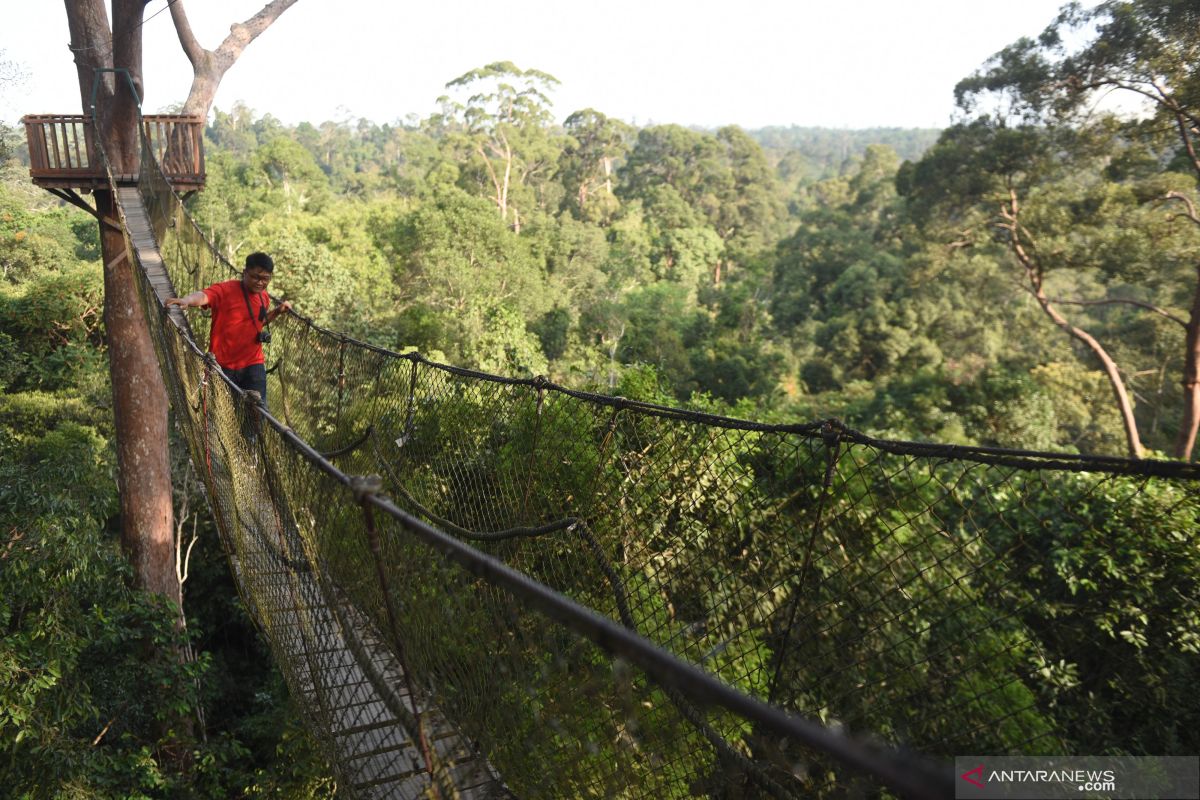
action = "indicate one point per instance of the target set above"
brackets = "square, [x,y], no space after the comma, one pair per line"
[549,593]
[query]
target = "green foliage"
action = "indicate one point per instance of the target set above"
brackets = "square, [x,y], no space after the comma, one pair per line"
[825,153]
[502,138]
[587,164]
[888,267]
[73,667]
[52,323]
[95,699]
[1109,557]
[1083,191]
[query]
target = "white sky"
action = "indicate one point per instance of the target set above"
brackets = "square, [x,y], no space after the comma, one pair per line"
[828,63]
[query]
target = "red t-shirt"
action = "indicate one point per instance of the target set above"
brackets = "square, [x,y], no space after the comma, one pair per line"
[234,335]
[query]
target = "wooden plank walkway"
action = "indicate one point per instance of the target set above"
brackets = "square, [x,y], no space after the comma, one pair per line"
[333,657]
[137,222]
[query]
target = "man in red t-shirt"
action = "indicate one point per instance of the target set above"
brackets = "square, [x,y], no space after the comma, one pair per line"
[241,311]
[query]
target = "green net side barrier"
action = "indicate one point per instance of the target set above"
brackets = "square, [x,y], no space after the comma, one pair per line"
[581,595]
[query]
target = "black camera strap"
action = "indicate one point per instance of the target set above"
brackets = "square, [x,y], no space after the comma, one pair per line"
[262,309]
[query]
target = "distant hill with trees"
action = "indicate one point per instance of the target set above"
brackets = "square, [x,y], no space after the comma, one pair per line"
[813,153]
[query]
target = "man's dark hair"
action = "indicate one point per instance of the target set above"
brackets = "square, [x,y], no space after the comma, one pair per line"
[260,260]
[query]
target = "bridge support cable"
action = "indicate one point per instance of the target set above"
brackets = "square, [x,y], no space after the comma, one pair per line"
[753,609]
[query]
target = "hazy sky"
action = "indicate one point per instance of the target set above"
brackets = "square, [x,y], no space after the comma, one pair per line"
[830,63]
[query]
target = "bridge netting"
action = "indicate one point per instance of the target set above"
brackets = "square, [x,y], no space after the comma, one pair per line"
[609,598]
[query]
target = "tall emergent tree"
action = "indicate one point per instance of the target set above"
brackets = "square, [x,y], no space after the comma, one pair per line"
[505,124]
[1050,104]
[109,64]
[587,163]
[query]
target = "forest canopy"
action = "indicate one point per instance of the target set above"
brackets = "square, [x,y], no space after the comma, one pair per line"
[786,273]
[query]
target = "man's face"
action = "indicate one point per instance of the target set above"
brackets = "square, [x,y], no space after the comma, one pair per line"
[256,279]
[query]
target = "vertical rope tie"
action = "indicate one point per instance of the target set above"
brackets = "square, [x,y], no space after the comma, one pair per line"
[832,436]
[540,384]
[341,385]
[365,487]
[411,410]
[210,362]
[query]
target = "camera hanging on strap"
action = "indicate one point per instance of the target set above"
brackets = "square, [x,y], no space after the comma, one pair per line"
[263,335]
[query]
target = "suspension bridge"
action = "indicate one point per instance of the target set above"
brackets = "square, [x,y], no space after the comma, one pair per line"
[484,587]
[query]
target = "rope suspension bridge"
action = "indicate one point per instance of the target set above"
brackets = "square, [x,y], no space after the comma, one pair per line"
[485,587]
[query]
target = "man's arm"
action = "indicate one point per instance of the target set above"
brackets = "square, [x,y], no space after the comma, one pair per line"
[194,299]
[277,310]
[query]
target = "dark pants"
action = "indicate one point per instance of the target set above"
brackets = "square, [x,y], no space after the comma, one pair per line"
[251,378]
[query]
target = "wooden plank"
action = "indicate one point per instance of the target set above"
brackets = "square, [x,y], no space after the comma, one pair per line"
[57,162]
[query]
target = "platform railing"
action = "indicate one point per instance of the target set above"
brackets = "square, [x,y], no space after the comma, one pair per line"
[177,143]
[62,150]
[61,147]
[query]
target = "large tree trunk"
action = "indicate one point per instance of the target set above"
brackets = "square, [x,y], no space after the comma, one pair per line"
[109,67]
[140,417]
[1133,441]
[139,398]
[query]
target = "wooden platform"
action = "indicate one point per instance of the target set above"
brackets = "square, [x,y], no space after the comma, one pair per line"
[63,155]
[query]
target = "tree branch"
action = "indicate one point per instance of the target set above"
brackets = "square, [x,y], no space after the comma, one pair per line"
[1182,120]
[1033,270]
[242,34]
[1187,201]
[1153,97]
[1120,301]
[187,40]
[210,66]
[962,242]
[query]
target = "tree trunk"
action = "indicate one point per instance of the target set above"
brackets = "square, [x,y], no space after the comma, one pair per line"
[1132,441]
[1033,272]
[139,397]
[210,66]
[508,159]
[109,67]
[140,420]
[1190,422]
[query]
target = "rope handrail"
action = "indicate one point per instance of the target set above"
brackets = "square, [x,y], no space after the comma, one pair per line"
[913,777]
[1015,457]
[773,608]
